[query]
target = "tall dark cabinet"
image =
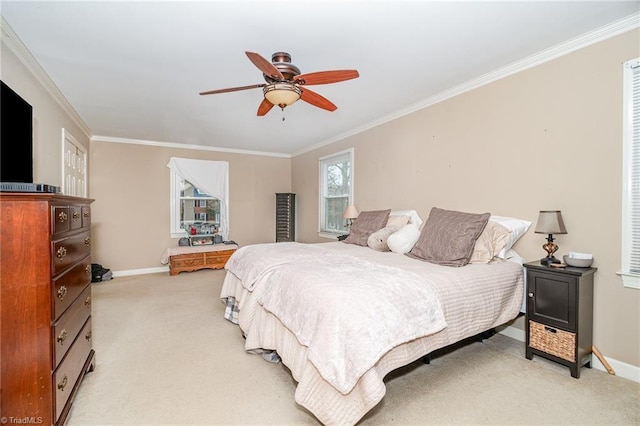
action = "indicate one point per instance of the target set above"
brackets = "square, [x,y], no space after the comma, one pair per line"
[285,217]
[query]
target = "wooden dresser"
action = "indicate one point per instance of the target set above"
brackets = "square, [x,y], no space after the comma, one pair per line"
[45,305]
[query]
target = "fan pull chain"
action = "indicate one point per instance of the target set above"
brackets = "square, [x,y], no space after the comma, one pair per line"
[282,113]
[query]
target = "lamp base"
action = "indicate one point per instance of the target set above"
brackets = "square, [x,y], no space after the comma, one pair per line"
[549,260]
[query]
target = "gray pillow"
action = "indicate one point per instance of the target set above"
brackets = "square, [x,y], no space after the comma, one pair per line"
[448,237]
[366,224]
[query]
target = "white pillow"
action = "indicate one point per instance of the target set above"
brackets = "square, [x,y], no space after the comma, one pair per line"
[415,217]
[403,240]
[398,221]
[518,228]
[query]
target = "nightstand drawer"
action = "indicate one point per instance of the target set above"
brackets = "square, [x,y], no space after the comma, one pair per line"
[553,341]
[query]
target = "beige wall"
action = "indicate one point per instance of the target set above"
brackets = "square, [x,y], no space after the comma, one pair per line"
[545,138]
[49,118]
[131,214]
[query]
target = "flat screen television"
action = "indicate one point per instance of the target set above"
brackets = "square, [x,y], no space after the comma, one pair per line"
[16,137]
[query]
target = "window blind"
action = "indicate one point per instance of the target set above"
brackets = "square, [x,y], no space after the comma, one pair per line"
[631,251]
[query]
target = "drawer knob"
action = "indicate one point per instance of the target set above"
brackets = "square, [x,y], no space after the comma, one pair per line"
[86,214]
[63,383]
[530,295]
[62,292]
[62,337]
[87,241]
[88,335]
[87,302]
[87,270]
[62,217]
[76,215]
[62,252]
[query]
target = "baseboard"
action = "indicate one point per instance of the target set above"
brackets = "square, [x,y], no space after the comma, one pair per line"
[622,369]
[129,272]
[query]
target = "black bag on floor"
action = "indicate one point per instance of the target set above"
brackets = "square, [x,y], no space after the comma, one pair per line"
[99,273]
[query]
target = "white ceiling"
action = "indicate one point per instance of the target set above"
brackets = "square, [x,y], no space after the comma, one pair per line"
[134,69]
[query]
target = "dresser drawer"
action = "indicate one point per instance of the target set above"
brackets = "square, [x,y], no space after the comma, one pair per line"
[76,217]
[69,250]
[67,327]
[69,285]
[86,216]
[60,220]
[71,369]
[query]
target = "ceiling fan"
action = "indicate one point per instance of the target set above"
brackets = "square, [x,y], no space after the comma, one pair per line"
[285,85]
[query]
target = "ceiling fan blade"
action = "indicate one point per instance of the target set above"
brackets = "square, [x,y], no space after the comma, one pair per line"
[232,89]
[264,107]
[265,66]
[316,100]
[326,77]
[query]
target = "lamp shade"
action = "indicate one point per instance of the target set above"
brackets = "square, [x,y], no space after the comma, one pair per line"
[351,212]
[550,222]
[281,94]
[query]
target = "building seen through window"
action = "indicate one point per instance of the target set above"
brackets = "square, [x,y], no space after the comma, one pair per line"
[199,211]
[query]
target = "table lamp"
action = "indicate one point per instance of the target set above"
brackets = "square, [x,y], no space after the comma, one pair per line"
[350,213]
[550,222]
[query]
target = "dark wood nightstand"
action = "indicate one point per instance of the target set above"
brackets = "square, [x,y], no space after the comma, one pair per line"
[559,319]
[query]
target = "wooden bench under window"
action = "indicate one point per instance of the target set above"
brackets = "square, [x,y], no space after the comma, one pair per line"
[194,258]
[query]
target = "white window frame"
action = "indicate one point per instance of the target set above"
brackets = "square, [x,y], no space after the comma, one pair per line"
[323,163]
[631,175]
[176,231]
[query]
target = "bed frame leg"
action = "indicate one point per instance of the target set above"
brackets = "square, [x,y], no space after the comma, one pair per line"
[485,335]
[426,359]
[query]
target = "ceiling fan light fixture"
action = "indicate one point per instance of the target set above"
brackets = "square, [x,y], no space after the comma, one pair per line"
[282,94]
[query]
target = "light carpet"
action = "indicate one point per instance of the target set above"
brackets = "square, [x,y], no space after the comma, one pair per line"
[165,355]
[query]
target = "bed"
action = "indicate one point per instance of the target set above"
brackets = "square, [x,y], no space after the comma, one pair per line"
[341,316]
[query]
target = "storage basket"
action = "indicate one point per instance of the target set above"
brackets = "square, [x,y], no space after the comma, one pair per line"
[552,341]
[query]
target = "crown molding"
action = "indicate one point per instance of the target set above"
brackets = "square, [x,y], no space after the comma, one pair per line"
[613,29]
[13,42]
[109,139]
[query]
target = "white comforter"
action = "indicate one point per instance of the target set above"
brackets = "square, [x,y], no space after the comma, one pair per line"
[250,263]
[347,311]
[474,298]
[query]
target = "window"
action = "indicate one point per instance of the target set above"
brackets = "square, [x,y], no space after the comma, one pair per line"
[336,191]
[631,176]
[198,209]
[199,197]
